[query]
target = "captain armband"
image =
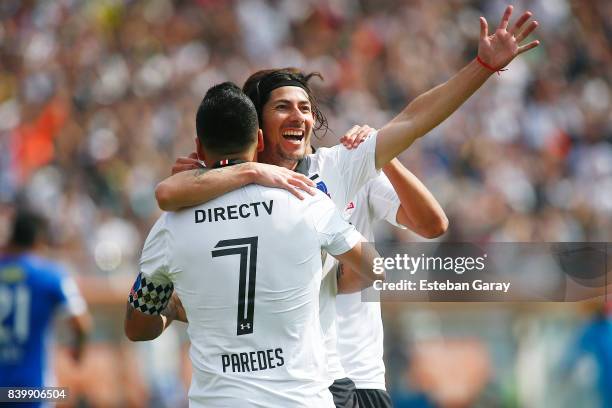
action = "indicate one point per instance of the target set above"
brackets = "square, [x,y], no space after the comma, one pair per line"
[149,297]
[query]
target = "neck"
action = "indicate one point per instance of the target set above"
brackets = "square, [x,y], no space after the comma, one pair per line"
[212,159]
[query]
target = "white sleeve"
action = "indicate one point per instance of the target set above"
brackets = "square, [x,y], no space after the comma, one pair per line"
[383,200]
[75,304]
[336,236]
[153,287]
[356,166]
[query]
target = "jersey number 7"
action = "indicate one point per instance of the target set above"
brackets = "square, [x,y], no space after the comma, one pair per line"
[247,249]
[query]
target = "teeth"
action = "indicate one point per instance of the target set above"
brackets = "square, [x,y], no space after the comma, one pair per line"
[293,133]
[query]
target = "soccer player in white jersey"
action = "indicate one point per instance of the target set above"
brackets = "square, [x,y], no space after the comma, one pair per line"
[288,115]
[247,270]
[359,324]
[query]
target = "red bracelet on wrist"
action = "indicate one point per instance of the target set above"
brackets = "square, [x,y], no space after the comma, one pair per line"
[487,66]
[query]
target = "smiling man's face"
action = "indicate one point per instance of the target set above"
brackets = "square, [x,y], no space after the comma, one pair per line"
[287,126]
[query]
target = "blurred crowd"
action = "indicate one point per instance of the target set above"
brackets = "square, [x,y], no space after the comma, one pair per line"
[97,99]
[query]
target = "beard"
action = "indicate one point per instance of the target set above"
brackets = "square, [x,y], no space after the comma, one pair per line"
[282,155]
[274,154]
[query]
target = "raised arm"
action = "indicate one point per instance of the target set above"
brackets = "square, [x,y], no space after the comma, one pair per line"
[419,210]
[189,188]
[431,108]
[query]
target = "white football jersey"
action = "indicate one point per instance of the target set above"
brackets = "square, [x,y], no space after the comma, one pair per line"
[247,268]
[340,173]
[359,324]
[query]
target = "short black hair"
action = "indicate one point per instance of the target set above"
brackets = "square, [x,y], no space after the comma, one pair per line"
[28,227]
[259,86]
[226,122]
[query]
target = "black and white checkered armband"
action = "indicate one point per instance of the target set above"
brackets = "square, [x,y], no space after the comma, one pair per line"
[148,297]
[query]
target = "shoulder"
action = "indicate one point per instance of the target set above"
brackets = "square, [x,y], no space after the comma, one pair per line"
[323,156]
[43,265]
[319,202]
[325,163]
[339,153]
[163,223]
[323,153]
[42,272]
[319,196]
[285,198]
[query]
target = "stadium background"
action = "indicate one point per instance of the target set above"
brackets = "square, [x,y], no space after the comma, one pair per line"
[97,98]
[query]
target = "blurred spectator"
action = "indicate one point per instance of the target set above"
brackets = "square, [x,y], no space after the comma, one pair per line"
[595,340]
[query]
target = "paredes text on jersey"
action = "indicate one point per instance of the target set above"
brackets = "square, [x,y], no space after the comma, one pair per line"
[253,361]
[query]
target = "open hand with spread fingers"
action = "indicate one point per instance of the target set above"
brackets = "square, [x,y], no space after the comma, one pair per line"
[498,49]
[275,176]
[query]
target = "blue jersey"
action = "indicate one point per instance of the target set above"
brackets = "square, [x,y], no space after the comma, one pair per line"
[31,290]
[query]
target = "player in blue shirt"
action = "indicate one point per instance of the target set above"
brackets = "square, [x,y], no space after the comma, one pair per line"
[32,291]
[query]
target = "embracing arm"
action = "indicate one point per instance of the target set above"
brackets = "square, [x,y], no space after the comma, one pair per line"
[434,106]
[419,211]
[189,188]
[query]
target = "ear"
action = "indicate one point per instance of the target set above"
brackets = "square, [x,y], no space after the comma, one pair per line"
[260,141]
[200,150]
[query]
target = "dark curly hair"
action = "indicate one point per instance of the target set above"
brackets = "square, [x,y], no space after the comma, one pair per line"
[259,86]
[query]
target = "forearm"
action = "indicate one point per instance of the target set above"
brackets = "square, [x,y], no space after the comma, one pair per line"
[142,327]
[419,210]
[428,111]
[350,281]
[175,310]
[356,269]
[189,188]
[81,326]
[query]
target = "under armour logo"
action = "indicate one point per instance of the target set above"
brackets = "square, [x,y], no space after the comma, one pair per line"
[245,326]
